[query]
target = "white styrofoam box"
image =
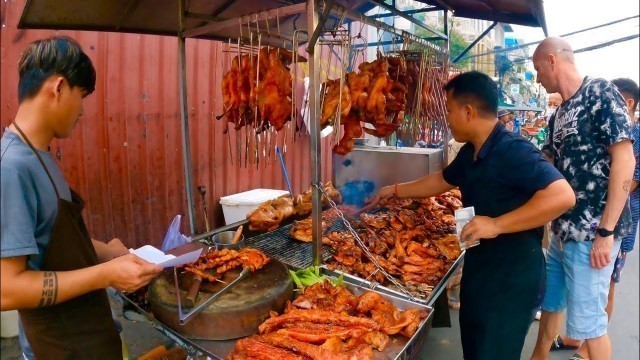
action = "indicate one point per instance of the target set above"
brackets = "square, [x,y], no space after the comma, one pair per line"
[9,323]
[236,207]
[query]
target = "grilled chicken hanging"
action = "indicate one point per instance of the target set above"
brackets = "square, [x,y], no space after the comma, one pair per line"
[336,97]
[274,91]
[352,131]
[230,97]
[358,84]
[270,97]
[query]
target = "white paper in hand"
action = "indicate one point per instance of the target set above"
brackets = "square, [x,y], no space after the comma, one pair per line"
[155,256]
[464,216]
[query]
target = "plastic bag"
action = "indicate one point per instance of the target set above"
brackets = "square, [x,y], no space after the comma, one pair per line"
[174,237]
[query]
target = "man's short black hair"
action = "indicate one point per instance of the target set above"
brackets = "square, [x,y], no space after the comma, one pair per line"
[476,88]
[628,87]
[57,55]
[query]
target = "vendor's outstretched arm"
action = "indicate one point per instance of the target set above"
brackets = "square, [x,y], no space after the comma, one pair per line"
[22,288]
[427,186]
[545,205]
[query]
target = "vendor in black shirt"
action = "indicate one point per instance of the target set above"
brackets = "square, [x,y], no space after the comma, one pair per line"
[515,191]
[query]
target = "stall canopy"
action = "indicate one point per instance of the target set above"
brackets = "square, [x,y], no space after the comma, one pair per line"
[219,19]
[517,12]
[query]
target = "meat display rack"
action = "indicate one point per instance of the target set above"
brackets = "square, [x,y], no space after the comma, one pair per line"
[296,254]
[429,300]
[399,348]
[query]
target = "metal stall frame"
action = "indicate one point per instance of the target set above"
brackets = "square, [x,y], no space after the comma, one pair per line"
[315,24]
[215,24]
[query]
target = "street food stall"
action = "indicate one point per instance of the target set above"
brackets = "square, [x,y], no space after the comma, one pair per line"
[527,127]
[291,66]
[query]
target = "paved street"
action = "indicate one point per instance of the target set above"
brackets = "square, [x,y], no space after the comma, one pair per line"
[443,344]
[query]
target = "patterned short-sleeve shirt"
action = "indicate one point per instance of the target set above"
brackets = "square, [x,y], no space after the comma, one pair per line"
[581,131]
[634,198]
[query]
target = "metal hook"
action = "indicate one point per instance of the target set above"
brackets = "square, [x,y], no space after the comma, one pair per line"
[278,21]
[266,21]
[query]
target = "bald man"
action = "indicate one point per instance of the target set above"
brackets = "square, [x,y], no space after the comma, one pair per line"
[590,143]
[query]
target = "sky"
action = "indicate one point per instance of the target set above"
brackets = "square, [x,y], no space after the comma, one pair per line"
[565,16]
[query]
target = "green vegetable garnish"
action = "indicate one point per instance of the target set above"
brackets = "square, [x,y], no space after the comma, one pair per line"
[310,276]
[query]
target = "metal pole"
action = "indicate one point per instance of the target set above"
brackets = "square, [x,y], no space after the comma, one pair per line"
[446,28]
[392,9]
[184,118]
[446,136]
[484,33]
[316,210]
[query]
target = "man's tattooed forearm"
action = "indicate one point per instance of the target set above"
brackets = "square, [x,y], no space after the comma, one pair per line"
[49,289]
[626,185]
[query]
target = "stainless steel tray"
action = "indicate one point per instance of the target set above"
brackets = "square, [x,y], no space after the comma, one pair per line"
[429,300]
[399,348]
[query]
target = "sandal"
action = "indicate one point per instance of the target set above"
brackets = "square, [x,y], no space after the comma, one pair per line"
[577,357]
[558,345]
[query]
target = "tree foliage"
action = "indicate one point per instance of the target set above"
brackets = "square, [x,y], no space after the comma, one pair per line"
[457,43]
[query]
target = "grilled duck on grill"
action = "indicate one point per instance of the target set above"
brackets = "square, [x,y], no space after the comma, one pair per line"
[284,203]
[265,217]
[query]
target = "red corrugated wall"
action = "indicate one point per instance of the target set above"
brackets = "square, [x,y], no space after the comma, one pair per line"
[125,156]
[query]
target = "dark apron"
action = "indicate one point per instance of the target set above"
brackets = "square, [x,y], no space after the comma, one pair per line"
[81,328]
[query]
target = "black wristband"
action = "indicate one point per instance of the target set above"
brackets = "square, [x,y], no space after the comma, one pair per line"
[604,232]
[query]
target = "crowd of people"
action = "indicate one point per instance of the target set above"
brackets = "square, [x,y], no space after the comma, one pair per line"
[584,182]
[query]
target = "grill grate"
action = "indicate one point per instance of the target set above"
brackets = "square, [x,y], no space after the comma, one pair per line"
[279,245]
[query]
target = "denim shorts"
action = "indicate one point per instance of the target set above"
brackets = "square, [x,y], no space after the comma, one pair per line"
[572,284]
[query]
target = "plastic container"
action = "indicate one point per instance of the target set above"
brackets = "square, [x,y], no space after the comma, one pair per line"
[9,323]
[236,207]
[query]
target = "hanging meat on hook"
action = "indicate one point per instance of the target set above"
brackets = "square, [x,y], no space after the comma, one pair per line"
[270,96]
[274,91]
[397,91]
[230,97]
[358,84]
[413,72]
[352,131]
[335,97]
[246,86]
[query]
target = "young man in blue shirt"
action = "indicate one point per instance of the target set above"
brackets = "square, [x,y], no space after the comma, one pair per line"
[515,191]
[51,270]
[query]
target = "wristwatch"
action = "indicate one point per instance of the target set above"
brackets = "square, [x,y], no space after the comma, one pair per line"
[604,232]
